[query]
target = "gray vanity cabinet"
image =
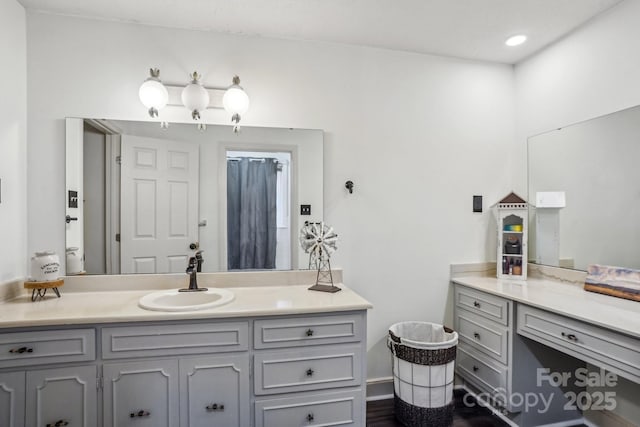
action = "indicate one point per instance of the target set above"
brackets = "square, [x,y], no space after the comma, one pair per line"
[300,370]
[496,361]
[214,391]
[62,396]
[309,370]
[141,394]
[12,399]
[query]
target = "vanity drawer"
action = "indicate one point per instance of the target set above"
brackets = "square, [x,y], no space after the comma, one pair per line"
[485,374]
[331,409]
[616,352]
[294,371]
[47,347]
[483,304]
[164,340]
[484,335]
[303,331]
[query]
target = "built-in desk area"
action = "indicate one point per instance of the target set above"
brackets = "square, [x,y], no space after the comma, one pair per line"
[525,345]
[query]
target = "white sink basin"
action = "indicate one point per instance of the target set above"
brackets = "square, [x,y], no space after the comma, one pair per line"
[186,301]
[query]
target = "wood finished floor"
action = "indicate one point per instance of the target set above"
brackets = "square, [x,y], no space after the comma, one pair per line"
[380,414]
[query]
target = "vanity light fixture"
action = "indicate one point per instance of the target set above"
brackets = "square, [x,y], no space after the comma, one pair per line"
[194,96]
[516,40]
[155,95]
[152,93]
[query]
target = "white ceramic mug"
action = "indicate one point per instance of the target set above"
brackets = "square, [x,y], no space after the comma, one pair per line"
[74,260]
[45,266]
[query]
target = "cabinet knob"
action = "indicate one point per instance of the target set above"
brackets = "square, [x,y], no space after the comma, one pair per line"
[309,417]
[475,368]
[21,350]
[476,335]
[309,332]
[570,337]
[476,304]
[140,414]
[59,423]
[214,407]
[309,372]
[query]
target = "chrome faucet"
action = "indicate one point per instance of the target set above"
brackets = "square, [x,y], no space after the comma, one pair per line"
[195,265]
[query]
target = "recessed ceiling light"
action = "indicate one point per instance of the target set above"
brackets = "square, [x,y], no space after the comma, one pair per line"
[516,40]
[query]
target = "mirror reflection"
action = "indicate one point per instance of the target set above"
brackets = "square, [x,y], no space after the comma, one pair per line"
[589,170]
[142,198]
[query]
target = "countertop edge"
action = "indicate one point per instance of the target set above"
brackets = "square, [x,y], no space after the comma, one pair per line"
[469,282]
[63,313]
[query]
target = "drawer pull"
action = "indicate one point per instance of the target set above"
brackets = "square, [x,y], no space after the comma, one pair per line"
[476,336]
[59,424]
[476,304]
[139,414]
[309,332]
[215,407]
[310,417]
[309,372]
[21,350]
[570,337]
[475,368]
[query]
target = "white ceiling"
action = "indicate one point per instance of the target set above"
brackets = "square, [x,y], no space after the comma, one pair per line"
[474,29]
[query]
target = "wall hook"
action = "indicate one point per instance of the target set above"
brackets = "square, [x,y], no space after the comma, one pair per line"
[349,186]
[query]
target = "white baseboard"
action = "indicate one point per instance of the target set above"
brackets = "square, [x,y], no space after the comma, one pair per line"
[379,388]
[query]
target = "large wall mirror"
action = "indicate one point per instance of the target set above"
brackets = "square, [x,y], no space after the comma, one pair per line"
[143,198]
[596,165]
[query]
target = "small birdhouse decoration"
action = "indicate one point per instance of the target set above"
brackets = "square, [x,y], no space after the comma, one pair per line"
[513,222]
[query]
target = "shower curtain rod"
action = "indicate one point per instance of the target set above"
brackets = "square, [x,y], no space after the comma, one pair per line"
[256,159]
[251,159]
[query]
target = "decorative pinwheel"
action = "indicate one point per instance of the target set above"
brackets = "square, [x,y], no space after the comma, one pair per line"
[320,241]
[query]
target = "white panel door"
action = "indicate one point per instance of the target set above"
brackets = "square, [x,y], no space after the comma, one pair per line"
[214,391]
[12,399]
[141,394]
[62,395]
[159,204]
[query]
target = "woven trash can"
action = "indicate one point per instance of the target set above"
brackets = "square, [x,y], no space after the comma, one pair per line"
[424,356]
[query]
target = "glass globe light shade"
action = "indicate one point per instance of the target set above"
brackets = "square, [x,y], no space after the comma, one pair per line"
[195,97]
[153,94]
[235,100]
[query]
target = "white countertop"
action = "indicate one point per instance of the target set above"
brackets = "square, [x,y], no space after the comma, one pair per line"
[91,307]
[567,299]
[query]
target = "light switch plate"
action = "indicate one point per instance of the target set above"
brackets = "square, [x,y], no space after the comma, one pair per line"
[477,203]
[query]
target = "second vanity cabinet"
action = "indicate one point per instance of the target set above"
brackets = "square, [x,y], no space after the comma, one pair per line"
[268,371]
[503,366]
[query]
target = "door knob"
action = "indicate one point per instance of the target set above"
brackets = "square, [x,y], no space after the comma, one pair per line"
[195,245]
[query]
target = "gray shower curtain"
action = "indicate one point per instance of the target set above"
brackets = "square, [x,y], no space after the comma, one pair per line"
[251,213]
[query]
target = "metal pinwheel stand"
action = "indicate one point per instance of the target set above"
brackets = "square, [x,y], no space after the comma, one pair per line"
[319,241]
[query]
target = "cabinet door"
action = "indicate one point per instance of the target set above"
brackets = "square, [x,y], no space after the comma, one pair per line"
[141,394]
[62,395]
[214,391]
[12,399]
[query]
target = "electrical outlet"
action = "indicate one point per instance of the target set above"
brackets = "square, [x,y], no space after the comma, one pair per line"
[305,209]
[477,203]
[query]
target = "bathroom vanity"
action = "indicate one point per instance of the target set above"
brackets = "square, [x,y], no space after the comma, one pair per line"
[274,356]
[516,336]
